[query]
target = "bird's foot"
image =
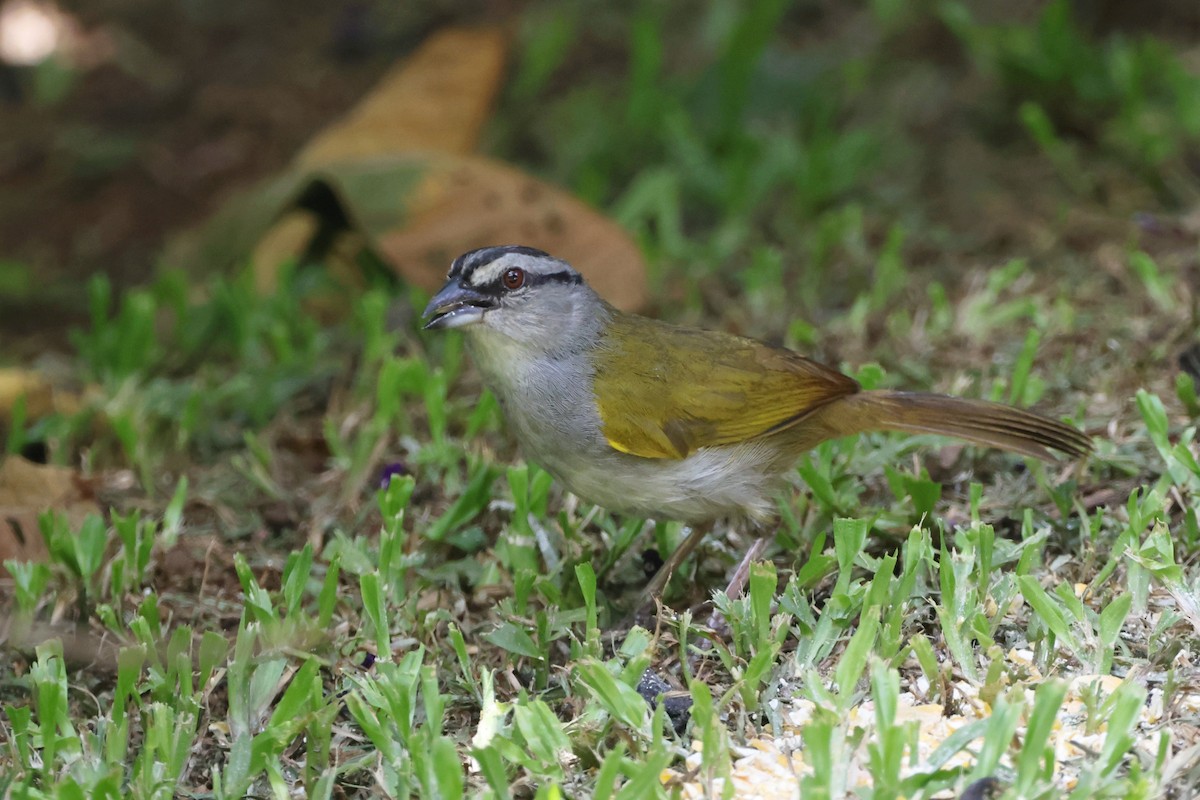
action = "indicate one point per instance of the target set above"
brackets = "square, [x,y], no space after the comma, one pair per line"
[737,585]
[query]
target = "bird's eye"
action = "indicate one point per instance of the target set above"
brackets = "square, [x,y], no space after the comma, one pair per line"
[513,278]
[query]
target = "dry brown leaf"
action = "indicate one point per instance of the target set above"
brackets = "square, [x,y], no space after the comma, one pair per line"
[438,99]
[35,389]
[417,211]
[468,202]
[394,176]
[28,489]
[80,647]
[20,536]
[289,237]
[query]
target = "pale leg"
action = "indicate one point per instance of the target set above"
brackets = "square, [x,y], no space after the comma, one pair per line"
[658,583]
[737,583]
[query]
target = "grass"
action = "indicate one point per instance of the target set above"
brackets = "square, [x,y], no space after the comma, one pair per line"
[1127,96]
[327,571]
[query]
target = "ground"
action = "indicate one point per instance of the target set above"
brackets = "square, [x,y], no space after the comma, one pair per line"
[298,552]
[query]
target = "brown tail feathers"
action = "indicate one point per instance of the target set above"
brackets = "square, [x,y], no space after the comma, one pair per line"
[977,421]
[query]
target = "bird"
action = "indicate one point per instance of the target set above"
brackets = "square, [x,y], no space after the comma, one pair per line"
[647,418]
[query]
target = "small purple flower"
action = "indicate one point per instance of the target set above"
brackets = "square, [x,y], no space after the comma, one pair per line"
[392,470]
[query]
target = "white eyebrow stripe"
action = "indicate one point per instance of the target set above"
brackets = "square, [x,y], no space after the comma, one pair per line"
[488,273]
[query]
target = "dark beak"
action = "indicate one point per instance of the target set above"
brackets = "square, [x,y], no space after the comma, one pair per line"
[456,306]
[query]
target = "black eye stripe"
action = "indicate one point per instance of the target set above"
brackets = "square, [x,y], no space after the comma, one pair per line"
[565,276]
[497,287]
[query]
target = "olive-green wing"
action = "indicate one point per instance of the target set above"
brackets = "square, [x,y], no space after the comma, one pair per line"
[665,391]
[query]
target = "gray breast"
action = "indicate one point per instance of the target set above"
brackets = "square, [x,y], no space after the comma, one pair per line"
[547,399]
